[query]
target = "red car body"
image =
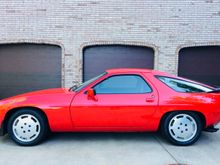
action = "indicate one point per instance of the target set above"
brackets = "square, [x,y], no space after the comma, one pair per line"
[67,110]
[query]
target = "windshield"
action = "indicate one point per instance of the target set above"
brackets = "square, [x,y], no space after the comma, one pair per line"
[83,85]
[183,86]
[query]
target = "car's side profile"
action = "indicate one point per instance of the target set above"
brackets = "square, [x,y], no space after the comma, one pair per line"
[119,100]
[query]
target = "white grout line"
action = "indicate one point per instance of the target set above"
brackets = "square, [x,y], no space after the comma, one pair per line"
[161,144]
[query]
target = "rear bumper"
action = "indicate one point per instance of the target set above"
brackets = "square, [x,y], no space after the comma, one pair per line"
[211,128]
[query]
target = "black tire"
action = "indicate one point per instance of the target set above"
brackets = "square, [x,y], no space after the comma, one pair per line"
[170,134]
[39,130]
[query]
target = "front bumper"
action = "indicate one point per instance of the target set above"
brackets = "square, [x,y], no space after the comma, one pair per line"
[2,132]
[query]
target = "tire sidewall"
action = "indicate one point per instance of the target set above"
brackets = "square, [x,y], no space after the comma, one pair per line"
[40,118]
[166,133]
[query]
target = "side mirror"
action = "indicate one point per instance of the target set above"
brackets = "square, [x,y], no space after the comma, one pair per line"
[91,95]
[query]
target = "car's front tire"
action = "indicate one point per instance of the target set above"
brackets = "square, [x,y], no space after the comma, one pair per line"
[182,128]
[27,127]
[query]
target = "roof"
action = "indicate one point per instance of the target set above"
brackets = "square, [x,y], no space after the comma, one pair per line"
[126,70]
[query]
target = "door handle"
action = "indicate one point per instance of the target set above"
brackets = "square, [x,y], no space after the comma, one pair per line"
[150,99]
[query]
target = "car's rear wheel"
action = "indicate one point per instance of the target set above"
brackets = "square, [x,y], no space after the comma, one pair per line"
[27,127]
[182,128]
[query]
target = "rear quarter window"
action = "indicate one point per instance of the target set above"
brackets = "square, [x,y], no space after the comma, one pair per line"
[182,85]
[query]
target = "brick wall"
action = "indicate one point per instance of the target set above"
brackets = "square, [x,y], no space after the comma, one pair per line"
[165,25]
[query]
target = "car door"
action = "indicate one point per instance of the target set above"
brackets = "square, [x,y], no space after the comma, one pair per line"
[125,100]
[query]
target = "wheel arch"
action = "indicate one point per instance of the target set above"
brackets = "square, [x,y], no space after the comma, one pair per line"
[200,115]
[12,111]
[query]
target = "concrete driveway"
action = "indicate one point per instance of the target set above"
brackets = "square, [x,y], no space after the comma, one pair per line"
[111,149]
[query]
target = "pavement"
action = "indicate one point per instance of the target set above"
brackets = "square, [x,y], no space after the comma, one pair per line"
[111,149]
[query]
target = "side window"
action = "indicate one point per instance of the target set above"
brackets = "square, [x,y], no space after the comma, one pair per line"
[123,84]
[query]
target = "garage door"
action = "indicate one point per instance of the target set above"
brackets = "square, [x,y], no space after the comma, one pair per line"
[201,64]
[97,59]
[28,67]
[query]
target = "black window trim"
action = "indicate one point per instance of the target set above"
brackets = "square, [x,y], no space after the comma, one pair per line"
[125,75]
[157,76]
[101,75]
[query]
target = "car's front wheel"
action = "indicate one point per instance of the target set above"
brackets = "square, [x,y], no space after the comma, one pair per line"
[182,128]
[27,127]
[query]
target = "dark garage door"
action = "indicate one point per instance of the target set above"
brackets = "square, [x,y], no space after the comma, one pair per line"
[28,67]
[201,64]
[97,59]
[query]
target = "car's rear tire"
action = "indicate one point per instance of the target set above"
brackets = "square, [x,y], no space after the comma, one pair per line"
[27,127]
[182,128]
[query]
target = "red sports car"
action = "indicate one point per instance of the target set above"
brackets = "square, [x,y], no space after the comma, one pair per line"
[119,100]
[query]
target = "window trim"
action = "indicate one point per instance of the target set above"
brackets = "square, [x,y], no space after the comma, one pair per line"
[151,89]
[197,83]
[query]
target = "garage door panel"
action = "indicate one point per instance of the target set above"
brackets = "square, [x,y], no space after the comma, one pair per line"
[97,59]
[29,67]
[200,64]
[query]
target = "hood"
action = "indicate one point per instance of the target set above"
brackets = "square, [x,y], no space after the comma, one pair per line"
[42,99]
[41,92]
